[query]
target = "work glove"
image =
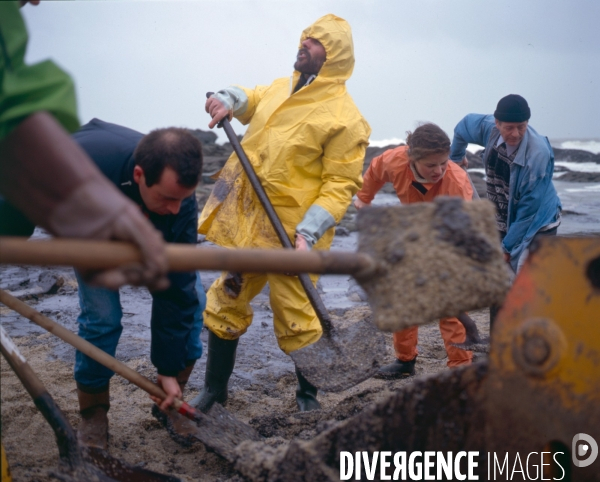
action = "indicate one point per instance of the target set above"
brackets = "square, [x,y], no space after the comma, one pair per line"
[53,182]
[226,103]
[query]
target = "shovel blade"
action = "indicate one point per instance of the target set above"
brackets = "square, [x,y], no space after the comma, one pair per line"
[344,359]
[218,430]
[436,260]
[120,471]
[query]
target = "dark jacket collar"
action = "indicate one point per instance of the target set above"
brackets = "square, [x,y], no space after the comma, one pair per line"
[129,187]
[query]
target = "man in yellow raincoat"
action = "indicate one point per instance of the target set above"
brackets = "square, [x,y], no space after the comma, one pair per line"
[306,140]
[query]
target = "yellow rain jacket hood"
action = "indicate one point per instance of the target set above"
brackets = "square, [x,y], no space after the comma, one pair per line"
[307,148]
[336,37]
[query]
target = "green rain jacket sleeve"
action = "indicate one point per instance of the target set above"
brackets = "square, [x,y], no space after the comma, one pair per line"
[25,89]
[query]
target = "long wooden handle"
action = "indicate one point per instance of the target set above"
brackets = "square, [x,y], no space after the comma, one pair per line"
[66,439]
[17,362]
[255,182]
[86,254]
[311,292]
[85,347]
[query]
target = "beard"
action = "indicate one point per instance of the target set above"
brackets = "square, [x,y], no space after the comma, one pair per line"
[307,65]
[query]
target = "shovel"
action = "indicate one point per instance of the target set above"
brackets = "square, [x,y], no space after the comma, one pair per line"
[217,429]
[76,463]
[341,358]
[417,263]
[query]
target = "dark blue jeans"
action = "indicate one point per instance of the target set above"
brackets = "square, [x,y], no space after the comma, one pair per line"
[100,324]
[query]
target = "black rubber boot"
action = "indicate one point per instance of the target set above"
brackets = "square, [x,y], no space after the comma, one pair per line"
[219,366]
[398,369]
[306,395]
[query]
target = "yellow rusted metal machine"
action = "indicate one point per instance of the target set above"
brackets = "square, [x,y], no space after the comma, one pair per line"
[544,375]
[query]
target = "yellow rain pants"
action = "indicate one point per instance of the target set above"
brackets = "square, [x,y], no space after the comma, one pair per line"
[307,148]
[229,314]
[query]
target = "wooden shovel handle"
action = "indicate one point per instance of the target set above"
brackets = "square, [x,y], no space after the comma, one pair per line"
[66,438]
[17,362]
[97,255]
[86,347]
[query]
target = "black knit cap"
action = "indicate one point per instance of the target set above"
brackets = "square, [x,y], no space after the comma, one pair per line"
[512,108]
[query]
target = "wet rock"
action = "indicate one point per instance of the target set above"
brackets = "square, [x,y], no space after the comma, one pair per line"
[207,138]
[567,155]
[373,152]
[438,353]
[475,160]
[215,155]
[341,231]
[13,283]
[355,292]
[202,193]
[574,176]
[47,283]
[478,181]
[575,155]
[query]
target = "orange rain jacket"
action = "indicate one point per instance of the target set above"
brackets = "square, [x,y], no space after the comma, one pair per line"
[393,166]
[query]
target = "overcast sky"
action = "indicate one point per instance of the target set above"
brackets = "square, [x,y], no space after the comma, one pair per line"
[148,64]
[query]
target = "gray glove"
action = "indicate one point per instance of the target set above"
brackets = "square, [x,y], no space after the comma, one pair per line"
[315,223]
[233,99]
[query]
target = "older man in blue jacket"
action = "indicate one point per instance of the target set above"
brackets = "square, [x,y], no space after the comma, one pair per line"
[519,164]
[159,172]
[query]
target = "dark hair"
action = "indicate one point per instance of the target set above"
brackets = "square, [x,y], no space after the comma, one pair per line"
[173,147]
[427,139]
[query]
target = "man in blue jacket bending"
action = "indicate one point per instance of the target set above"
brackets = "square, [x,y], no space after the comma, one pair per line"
[159,172]
[519,164]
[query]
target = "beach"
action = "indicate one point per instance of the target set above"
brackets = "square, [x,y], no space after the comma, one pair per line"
[263,383]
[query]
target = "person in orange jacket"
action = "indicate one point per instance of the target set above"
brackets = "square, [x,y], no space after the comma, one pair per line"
[419,171]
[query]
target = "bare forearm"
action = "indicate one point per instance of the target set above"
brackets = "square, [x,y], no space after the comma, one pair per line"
[41,167]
